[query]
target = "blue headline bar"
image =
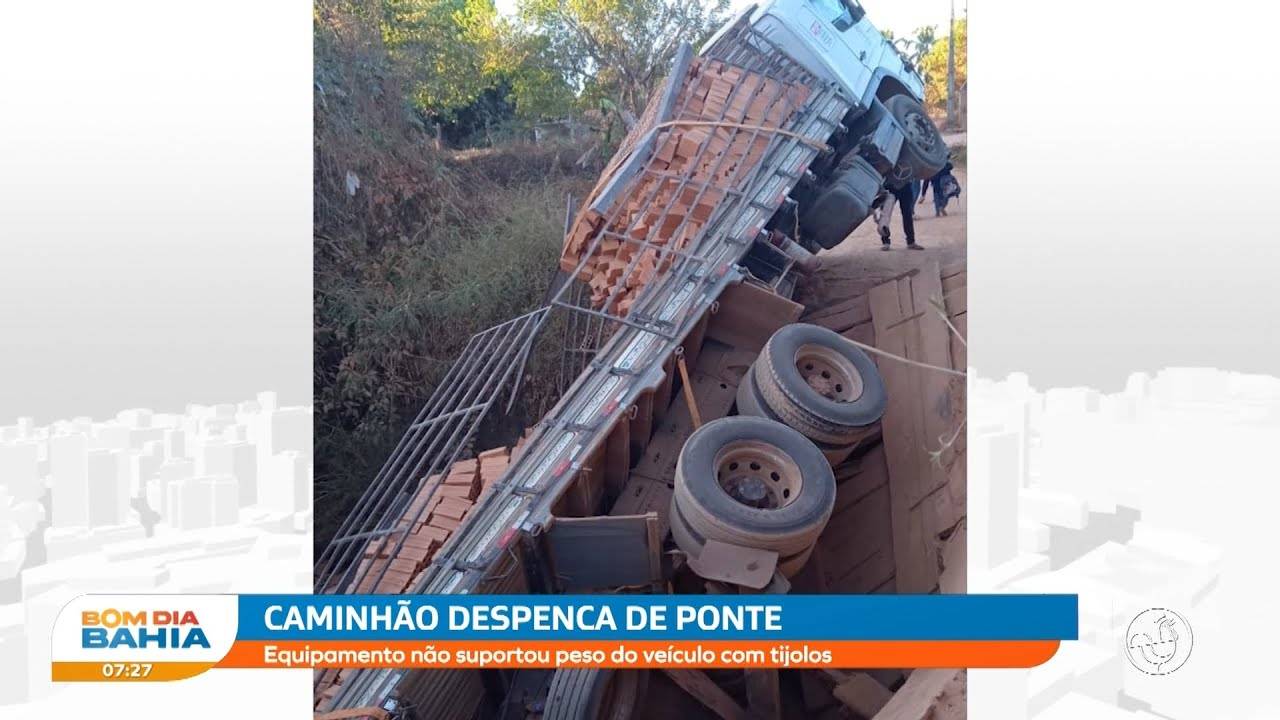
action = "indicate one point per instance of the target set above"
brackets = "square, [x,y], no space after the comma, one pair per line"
[658,617]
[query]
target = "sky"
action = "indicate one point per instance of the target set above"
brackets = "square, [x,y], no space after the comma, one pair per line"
[900,16]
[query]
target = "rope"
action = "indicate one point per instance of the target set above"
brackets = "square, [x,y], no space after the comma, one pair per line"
[939,308]
[926,366]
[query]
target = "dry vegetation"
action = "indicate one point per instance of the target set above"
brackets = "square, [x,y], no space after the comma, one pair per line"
[415,250]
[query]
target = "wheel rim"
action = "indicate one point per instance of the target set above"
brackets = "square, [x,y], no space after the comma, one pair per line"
[918,130]
[759,475]
[829,373]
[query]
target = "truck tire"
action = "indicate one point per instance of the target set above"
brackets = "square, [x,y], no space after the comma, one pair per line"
[820,384]
[750,402]
[790,566]
[923,152]
[751,482]
[691,541]
[594,694]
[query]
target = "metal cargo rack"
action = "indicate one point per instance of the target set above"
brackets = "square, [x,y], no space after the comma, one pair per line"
[620,365]
[435,440]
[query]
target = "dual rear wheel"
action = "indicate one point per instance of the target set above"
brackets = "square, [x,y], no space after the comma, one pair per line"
[817,382]
[754,483]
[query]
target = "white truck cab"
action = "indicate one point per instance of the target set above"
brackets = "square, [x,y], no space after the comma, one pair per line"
[887,138]
[835,40]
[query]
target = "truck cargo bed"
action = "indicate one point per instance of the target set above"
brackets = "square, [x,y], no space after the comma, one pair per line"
[689,272]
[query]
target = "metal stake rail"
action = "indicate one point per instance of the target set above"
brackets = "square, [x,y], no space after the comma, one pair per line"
[626,365]
[433,443]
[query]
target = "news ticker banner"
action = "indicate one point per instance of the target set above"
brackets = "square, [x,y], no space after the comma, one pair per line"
[130,638]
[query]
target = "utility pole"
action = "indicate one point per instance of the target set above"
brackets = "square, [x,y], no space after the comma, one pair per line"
[951,70]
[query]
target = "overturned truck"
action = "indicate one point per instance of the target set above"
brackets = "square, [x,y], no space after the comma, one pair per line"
[701,430]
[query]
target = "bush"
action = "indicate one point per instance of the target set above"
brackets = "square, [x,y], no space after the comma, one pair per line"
[391,316]
[415,251]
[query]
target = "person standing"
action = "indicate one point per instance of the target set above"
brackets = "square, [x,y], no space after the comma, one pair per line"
[945,186]
[904,197]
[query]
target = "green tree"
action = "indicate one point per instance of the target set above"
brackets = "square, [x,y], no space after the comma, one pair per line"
[439,47]
[916,47]
[921,44]
[934,65]
[528,61]
[616,49]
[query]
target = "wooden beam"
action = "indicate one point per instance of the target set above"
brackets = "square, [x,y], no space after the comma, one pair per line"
[653,531]
[688,393]
[697,684]
[927,694]
[749,314]
[921,413]
[950,503]
[763,694]
[858,305]
[842,316]
[862,694]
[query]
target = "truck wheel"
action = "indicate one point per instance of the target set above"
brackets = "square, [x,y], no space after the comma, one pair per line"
[750,402]
[691,542]
[820,384]
[789,566]
[594,694]
[752,482]
[924,152]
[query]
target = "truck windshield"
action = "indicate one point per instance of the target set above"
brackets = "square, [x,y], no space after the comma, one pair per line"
[836,12]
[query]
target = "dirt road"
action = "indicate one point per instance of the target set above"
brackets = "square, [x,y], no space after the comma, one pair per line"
[858,263]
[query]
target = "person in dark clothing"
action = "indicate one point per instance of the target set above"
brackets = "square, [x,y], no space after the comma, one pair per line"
[945,186]
[905,198]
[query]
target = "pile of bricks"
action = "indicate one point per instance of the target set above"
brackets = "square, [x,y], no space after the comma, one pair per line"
[684,180]
[445,500]
[440,505]
[492,464]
